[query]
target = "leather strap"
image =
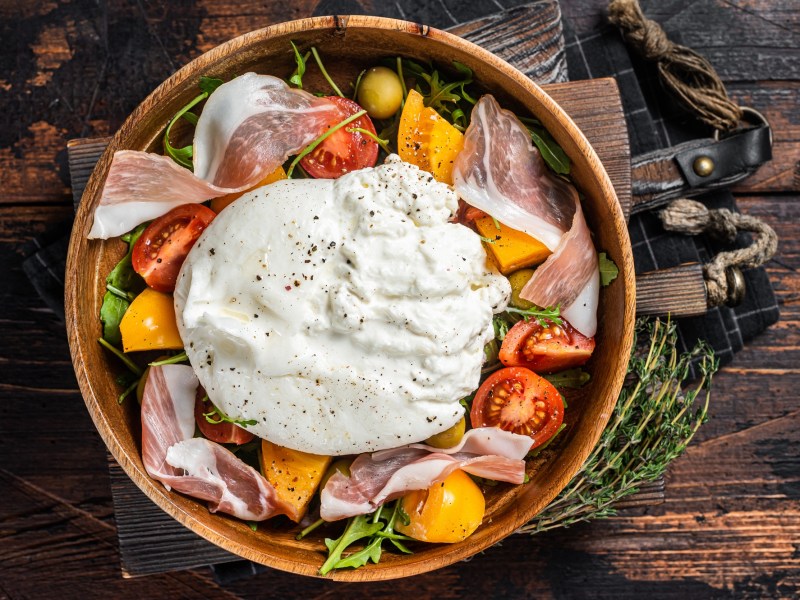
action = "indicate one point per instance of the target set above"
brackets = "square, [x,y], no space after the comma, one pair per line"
[696,166]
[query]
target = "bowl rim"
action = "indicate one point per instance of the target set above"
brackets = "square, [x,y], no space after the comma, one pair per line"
[153,489]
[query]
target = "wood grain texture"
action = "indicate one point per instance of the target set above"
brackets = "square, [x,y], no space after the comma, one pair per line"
[679,291]
[122,50]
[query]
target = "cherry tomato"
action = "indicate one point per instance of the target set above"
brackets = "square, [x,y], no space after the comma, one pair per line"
[447,512]
[159,253]
[222,433]
[343,151]
[518,400]
[545,349]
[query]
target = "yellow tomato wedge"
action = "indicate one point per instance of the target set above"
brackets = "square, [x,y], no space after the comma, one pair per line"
[295,475]
[149,323]
[510,249]
[427,140]
[446,513]
[217,204]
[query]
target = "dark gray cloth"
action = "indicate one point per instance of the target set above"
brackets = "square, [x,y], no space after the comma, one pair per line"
[655,121]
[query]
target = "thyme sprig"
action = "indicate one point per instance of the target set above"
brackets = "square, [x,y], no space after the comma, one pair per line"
[654,420]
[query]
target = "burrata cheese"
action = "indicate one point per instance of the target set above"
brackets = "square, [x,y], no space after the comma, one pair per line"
[341,316]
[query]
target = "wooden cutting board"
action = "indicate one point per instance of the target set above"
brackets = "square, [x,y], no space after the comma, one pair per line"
[529,37]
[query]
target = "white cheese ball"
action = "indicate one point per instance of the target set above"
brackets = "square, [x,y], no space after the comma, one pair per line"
[342,316]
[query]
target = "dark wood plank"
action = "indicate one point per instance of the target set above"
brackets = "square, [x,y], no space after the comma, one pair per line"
[679,291]
[51,536]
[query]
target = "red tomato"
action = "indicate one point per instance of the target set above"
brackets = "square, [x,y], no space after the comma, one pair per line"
[159,253]
[518,400]
[545,349]
[343,151]
[222,433]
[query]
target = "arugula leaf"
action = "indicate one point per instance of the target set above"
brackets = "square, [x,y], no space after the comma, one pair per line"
[542,315]
[552,153]
[209,84]
[111,313]
[608,269]
[300,70]
[183,156]
[377,528]
[216,416]
[123,285]
[122,276]
[501,327]
[571,378]
[357,528]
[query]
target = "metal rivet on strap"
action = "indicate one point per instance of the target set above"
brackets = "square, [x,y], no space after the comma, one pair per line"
[736,286]
[703,166]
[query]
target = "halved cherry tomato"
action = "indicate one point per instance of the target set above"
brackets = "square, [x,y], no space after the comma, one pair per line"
[343,151]
[516,399]
[545,349]
[447,512]
[222,433]
[160,251]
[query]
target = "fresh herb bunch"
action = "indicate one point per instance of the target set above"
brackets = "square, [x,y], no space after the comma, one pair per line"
[654,420]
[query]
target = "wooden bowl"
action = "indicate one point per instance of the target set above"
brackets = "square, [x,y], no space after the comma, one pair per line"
[350,44]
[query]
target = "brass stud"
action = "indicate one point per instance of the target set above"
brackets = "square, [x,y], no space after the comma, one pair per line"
[703,166]
[736,286]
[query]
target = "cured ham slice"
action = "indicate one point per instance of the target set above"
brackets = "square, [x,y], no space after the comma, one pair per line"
[380,477]
[248,127]
[196,466]
[500,172]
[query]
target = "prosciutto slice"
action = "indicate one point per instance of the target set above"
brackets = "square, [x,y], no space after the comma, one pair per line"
[196,466]
[248,127]
[501,172]
[382,476]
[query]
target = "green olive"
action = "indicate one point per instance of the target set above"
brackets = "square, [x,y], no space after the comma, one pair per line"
[380,92]
[518,279]
[341,465]
[449,437]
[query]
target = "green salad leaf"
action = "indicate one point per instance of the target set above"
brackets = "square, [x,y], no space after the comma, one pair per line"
[608,269]
[552,153]
[123,284]
[571,378]
[300,70]
[378,526]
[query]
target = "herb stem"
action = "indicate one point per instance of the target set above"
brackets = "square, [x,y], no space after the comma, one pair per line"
[122,294]
[312,146]
[178,155]
[127,392]
[309,529]
[402,81]
[178,358]
[382,143]
[325,73]
[134,368]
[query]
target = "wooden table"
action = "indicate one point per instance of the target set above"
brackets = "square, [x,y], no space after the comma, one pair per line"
[731,524]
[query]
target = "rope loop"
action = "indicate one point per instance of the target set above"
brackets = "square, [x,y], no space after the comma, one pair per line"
[692,218]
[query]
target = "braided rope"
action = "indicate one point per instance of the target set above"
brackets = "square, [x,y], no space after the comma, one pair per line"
[682,70]
[692,217]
